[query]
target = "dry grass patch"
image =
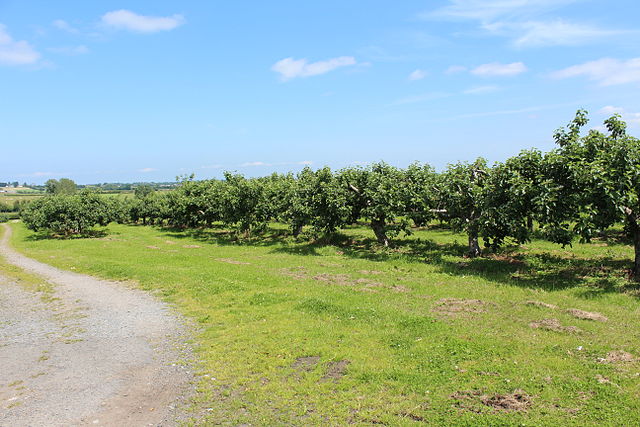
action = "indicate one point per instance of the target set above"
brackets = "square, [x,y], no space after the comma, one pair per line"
[553,325]
[232,261]
[455,306]
[474,400]
[541,304]
[587,315]
[619,356]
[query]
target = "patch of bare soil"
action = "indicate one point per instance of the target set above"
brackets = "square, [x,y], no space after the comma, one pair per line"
[152,247]
[553,325]
[455,306]
[474,400]
[305,364]
[338,279]
[602,380]
[541,304]
[587,315]
[232,261]
[412,417]
[516,401]
[191,246]
[335,370]
[400,288]
[299,272]
[373,272]
[619,356]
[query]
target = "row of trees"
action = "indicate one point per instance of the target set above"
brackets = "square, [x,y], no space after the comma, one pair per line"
[585,185]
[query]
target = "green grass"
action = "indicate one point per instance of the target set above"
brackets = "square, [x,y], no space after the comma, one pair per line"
[28,281]
[278,317]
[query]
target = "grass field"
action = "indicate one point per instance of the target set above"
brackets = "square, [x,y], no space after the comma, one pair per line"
[10,198]
[349,333]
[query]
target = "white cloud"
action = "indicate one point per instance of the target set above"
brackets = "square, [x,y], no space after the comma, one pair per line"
[550,33]
[627,116]
[480,90]
[523,21]
[498,69]
[43,174]
[147,170]
[489,10]
[64,26]
[126,20]
[15,52]
[70,50]
[417,75]
[290,68]
[257,164]
[605,71]
[455,69]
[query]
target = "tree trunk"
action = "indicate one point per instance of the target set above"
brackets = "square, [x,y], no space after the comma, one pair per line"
[297,229]
[635,231]
[530,224]
[474,246]
[378,229]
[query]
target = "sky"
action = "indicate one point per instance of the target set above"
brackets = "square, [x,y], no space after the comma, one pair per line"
[126,91]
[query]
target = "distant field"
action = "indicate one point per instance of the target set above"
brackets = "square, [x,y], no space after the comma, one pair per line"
[12,197]
[295,333]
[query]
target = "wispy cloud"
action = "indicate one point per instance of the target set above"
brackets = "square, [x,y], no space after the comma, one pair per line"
[481,90]
[490,10]
[14,52]
[65,26]
[70,50]
[498,69]
[510,112]
[455,69]
[556,32]
[290,68]
[605,71]
[147,170]
[43,174]
[627,116]
[256,164]
[127,20]
[417,75]
[215,166]
[523,21]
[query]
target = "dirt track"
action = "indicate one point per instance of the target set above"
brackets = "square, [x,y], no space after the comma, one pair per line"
[98,353]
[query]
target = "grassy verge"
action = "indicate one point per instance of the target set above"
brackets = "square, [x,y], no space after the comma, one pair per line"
[335,334]
[28,281]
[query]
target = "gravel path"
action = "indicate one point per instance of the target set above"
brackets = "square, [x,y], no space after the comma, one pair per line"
[94,352]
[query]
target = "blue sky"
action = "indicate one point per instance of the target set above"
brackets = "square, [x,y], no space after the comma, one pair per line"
[147,90]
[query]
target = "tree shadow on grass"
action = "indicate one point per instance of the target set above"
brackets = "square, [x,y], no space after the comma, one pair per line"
[511,266]
[549,272]
[224,237]
[46,235]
